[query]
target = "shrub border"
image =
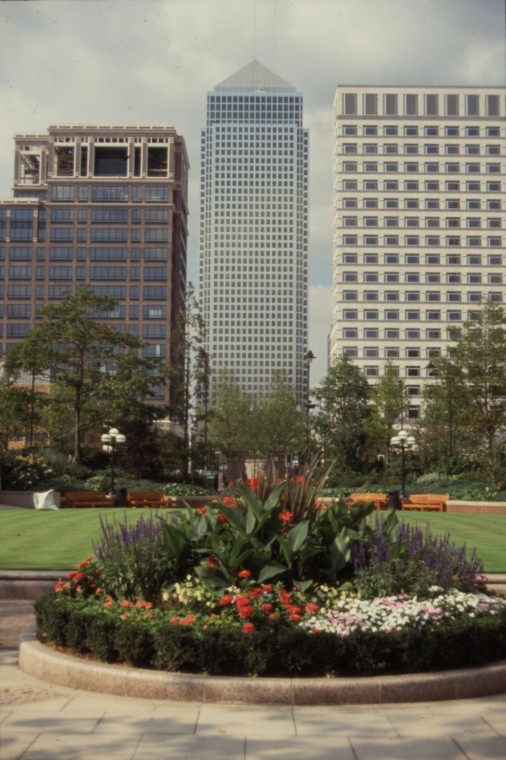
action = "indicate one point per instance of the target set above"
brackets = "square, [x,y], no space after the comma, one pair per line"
[61,669]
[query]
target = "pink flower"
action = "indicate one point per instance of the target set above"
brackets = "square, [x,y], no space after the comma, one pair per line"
[125,603]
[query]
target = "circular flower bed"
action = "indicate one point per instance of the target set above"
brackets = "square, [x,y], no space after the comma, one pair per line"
[273,583]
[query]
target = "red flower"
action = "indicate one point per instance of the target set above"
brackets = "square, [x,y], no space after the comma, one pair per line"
[226,599]
[284,596]
[248,628]
[125,603]
[311,607]
[267,608]
[241,600]
[285,516]
[144,605]
[212,562]
[244,574]
[293,616]
[85,562]
[187,620]
[222,517]
[255,593]
[267,588]
[202,510]
[125,615]
[229,501]
[245,611]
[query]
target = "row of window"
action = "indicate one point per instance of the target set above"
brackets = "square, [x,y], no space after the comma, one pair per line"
[430,149]
[108,216]
[412,130]
[94,253]
[492,241]
[451,278]
[430,167]
[494,222]
[414,295]
[471,204]
[117,292]
[471,259]
[81,273]
[429,186]
[24,311]
[454,315]
[415,104]
[110,193]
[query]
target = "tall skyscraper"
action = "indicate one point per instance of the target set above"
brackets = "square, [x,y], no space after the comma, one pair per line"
[253,235]
[419,218]
[105,206]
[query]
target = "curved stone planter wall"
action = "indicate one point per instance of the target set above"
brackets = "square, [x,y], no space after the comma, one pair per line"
[64,670]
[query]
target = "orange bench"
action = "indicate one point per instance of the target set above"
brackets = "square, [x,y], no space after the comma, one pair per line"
[83,499]
[148,499]
[426,502]
[378,499]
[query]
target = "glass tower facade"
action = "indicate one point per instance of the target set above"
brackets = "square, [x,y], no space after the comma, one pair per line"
[253,241]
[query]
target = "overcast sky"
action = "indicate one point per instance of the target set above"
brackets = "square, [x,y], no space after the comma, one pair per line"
[152,62]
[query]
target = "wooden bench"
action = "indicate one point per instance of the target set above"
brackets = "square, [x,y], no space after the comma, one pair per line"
[378,499]
[147,499]
[74,499]
[426,502]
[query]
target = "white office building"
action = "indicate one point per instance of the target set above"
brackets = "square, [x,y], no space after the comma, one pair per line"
[419,218]
[253,237]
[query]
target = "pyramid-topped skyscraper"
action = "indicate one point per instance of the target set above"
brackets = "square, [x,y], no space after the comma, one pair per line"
[253,236]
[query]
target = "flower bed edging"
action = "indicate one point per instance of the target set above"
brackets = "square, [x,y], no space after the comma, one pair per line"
[61,669]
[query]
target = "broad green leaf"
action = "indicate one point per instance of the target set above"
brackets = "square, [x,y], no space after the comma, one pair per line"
[270,571]
[298,534]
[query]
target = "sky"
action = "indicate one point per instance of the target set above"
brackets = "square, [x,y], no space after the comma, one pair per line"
[152,62]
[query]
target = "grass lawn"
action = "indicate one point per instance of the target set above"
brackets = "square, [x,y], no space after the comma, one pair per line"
[33,540]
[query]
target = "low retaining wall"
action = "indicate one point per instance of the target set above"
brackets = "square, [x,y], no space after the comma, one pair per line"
[483,507]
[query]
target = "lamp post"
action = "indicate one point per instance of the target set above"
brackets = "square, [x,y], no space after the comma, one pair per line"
[308,358]
[109,442]
[404,441]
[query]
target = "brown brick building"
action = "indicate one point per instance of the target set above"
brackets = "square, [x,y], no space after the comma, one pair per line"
[104,206]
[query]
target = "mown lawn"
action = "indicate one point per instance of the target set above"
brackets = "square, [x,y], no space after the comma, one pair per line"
[32,540]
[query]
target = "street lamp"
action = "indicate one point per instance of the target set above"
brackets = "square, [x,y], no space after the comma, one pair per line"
[308,358]
[404,441]
[109,442]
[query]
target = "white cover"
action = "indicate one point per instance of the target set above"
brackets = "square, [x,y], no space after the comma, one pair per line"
[44,500]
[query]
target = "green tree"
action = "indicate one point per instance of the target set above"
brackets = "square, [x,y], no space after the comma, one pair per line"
[389,401]
[191,385]
[343,400]
[231,418]
[15,411]
[443,429]
[480,357]
[94,367]
[278,424]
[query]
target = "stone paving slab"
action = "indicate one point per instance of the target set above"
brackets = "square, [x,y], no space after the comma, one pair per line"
[61,723]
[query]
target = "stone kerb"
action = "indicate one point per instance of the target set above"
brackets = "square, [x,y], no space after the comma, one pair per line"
[484,507]
[62,669]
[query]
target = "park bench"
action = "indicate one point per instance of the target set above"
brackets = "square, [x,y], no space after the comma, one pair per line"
[426,502]
[148,499]
[378,499]
[74,499]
